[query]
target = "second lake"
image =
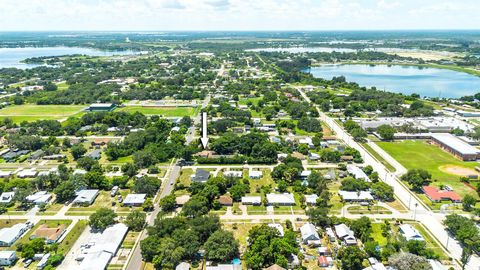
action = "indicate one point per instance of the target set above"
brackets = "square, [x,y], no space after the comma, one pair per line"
[428,82]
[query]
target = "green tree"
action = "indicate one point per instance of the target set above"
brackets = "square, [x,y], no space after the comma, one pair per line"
[387,132]
[468,202]
[168,203]
[65,191]
[78,150]
[102,218]
[351,258]
[136,220]
[221,246]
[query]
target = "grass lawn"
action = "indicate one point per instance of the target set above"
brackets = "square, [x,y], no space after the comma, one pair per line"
[164,111]
[377,234]
[5,223]
[240,231]
[254,100]
[31,112]
[358,209]
[72,236]
[62,85]
[378,157]
[104,200]
[256,184]
[421,155]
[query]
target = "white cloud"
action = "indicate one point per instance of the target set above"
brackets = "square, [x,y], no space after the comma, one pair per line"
[236,14]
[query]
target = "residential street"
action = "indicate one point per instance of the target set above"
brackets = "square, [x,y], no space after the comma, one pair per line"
[422,214]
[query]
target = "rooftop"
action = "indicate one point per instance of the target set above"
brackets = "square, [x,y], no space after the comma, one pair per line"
[455,143]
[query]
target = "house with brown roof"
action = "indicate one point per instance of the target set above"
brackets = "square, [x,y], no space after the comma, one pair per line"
[225,200]
[274,267]
[51,235]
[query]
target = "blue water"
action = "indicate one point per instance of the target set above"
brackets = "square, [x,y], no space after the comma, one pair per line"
[428,82]
[303,49]
[11,57]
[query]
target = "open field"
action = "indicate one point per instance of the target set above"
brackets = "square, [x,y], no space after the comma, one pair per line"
[29,112]
[164,111]
[421,155]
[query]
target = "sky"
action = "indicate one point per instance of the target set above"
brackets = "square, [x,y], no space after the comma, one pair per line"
[239,15]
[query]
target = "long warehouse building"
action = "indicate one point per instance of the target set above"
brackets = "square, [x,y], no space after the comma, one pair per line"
[457,147]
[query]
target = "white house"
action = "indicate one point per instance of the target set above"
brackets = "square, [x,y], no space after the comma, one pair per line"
[27,173]
[7,257]
[5,174]
[86,196]
[233,174]
[280,199]
[305,174]
[39,197]
[309,233]
[311,199]
[357,172]
[345,234]
[255,174]
[410,233]
[134,199]
[7,197]
[354,196]
[251,200]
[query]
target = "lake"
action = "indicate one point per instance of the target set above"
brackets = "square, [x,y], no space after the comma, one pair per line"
[12,57]
[429,82]
[302,49]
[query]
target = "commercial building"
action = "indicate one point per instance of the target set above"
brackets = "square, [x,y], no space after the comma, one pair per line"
[436,195]
[9,235]
[86,196]
[455,146]
[102,247]
[7,257]
[101,107]
[280,199]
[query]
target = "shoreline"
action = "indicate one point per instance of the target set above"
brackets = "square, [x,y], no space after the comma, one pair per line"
[470,71]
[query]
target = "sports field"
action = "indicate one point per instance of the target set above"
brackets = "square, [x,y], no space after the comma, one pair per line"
[30,112]
[165,111]
[421,155]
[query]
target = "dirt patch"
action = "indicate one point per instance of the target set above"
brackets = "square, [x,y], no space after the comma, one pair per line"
[458,170]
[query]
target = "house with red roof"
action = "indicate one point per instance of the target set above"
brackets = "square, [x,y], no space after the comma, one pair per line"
[436,195]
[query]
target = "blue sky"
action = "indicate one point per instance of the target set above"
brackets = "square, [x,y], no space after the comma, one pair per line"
[158,15]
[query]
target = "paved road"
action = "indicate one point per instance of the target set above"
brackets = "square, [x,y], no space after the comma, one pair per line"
[173,172]
[420,212]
